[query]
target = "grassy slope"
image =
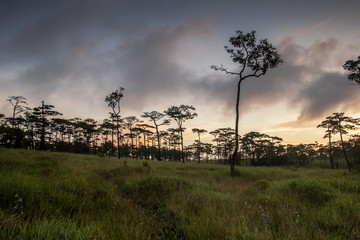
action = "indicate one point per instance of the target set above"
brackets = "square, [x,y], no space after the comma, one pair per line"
[65,196]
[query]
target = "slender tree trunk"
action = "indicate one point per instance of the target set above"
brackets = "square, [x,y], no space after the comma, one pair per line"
[145,147]
[233,158]
[118,137]
[226,157]
[32,138]
[42,138]
[330,153]
[132,143]
[112,142]
[158,140]
[88,145]
[13,118]
[345,155]
[95,144]
[182,145]
[199,149]
[105,145]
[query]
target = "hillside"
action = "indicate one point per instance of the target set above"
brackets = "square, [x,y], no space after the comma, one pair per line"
[47,195]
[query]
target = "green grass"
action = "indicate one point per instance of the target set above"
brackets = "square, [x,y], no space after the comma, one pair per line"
[65,196]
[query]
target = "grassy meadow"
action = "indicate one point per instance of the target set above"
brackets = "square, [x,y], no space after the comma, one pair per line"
[47,195]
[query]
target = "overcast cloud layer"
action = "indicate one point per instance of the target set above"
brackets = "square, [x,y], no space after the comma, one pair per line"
[72,54]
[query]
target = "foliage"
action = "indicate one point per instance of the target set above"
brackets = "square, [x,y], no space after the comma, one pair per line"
[155,117]
[40,117]
[181,114]
[353,66]
[338,123]
[113,100]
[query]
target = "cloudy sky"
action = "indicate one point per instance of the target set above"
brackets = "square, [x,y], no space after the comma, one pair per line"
[72,53]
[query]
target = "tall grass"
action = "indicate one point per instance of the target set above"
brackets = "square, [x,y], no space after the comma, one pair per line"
[65,196]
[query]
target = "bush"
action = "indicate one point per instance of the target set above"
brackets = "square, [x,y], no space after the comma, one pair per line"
[146,165]
[262,184]
[151,192]
[314,192]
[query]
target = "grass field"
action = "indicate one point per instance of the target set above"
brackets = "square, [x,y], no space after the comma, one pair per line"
[65,196]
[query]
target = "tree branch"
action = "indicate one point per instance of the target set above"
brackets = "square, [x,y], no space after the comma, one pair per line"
[221,68]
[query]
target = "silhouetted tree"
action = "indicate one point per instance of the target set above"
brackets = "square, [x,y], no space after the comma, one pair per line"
[18,103]
[355,145]
[262,147]
[2,128]
[107,128]
[144,129]
[199,131]
[30,131]
[226,141]
[174,137]
[198,148]
[341,124]
[328,124]
[60,126]
[79,142]
[129,123]
[353,66]
[297,153]
[156,116]
[113,100]
[272,153]
[216,133]
[88,128]
[255,59]
[42,113]
[250,143]
[180,114]
[207,149]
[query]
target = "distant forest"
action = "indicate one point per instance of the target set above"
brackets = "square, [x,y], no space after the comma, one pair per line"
[42,128]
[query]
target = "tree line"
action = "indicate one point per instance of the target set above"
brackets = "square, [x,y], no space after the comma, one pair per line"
[42,128]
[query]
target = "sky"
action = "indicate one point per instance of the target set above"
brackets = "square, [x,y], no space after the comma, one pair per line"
[72,53]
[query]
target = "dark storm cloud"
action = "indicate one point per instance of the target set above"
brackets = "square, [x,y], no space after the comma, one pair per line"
[319,87]
[329,93]
[65,50]
[149,66]
[323,89]
[309,80]
[83,50]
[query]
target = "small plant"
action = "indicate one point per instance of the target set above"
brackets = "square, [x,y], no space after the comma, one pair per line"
[19,205]
[265,215]
[125,164]
[146,165]
[288,212]
[266,219]
[262,184]
[285,208]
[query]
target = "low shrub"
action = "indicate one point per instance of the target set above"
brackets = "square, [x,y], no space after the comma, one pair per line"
[151,192]
[262,184]
[312,191]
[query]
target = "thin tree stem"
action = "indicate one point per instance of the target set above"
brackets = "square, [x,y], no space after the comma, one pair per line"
[233,159]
